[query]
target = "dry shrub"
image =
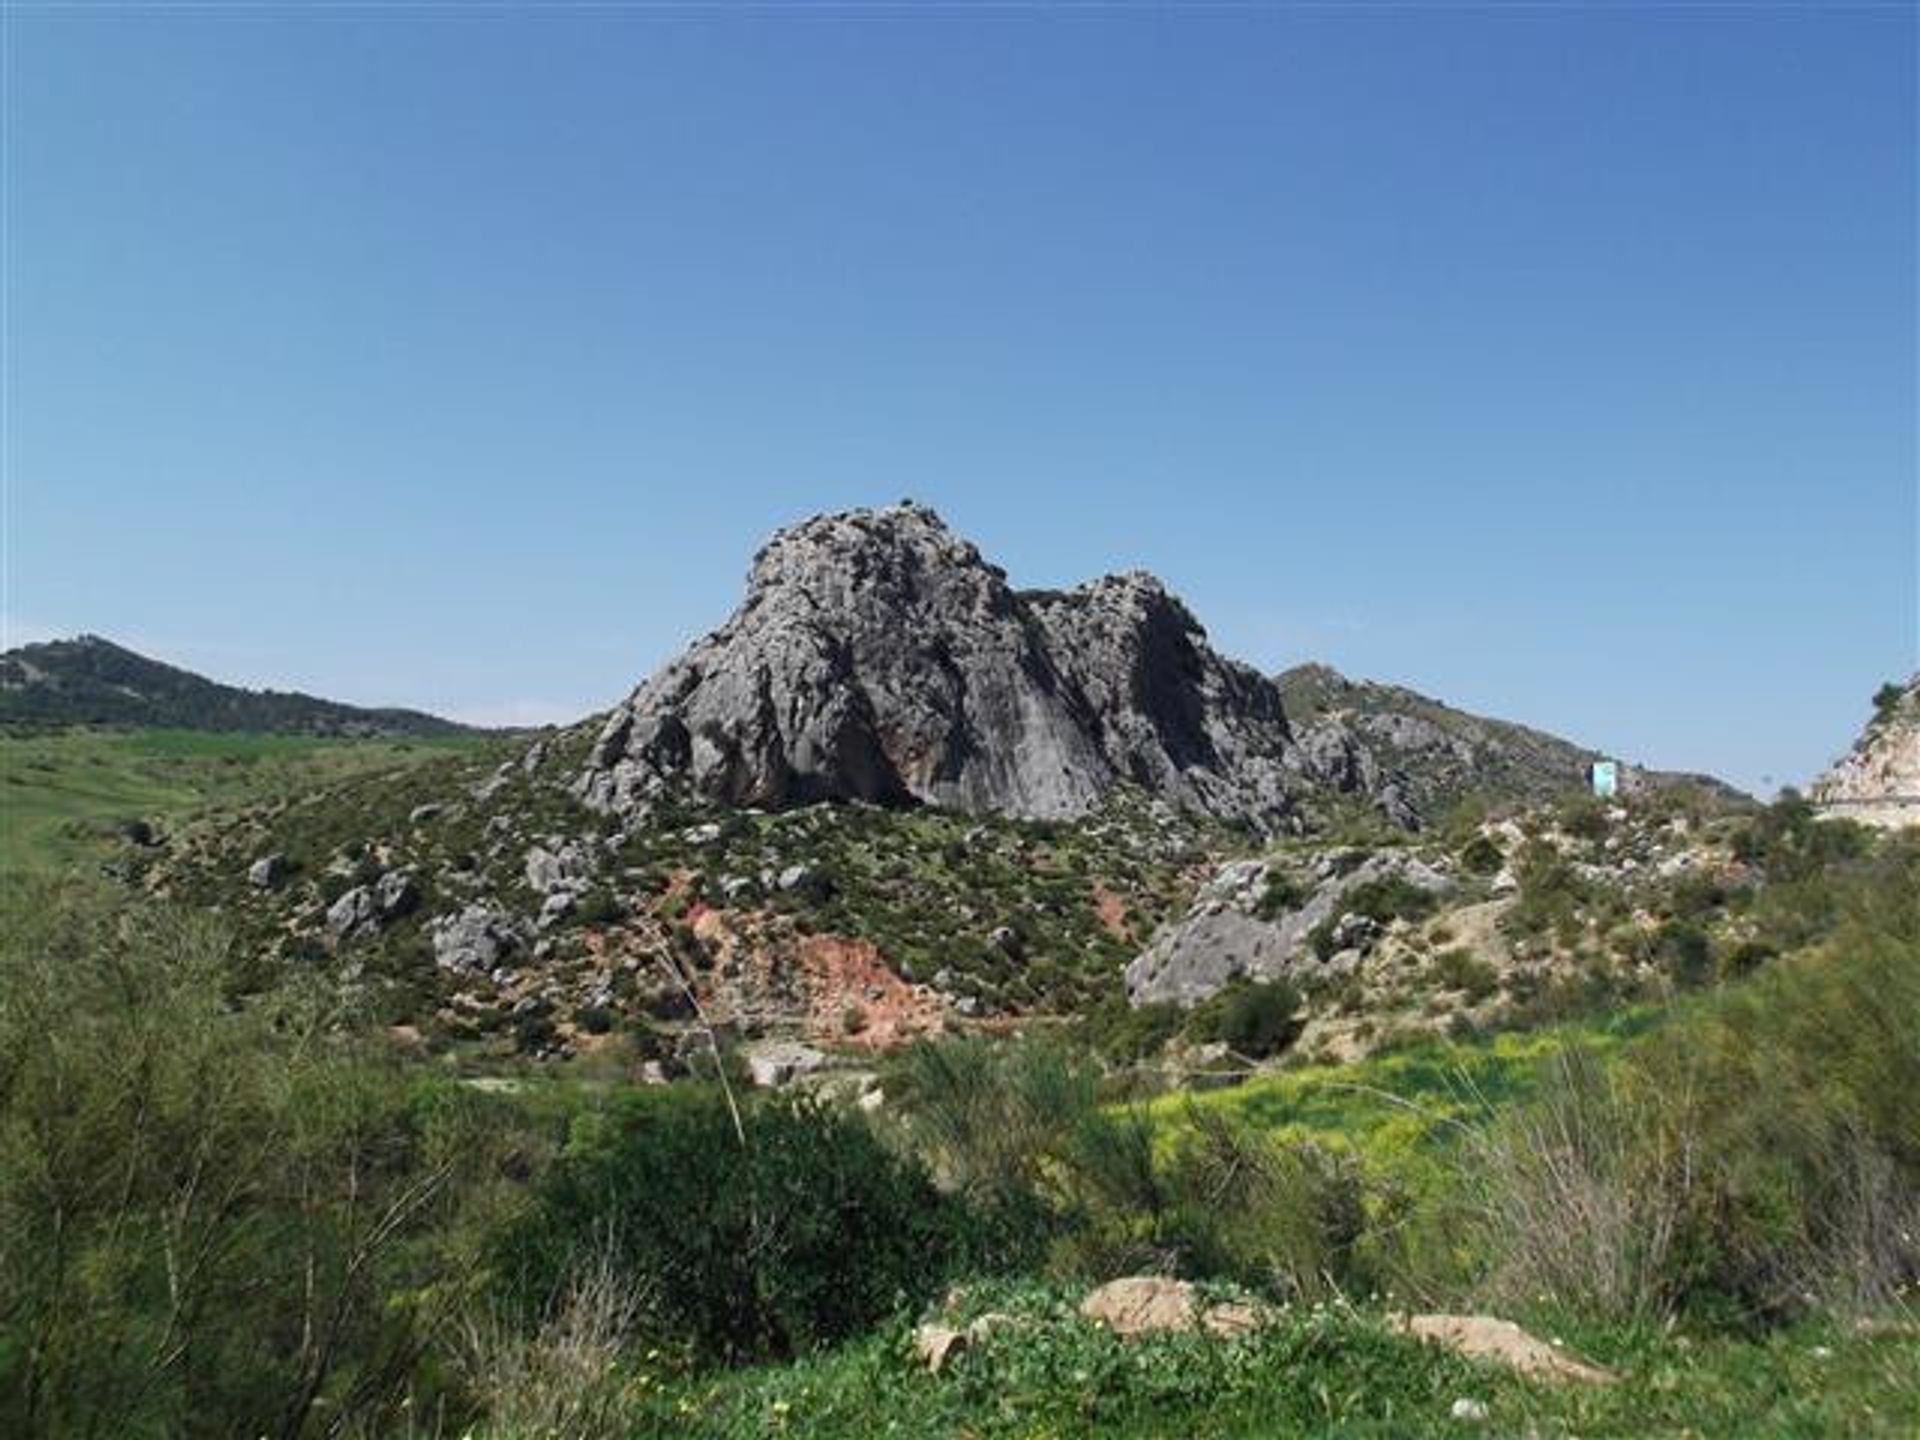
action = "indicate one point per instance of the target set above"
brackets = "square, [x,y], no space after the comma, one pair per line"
[565,1378]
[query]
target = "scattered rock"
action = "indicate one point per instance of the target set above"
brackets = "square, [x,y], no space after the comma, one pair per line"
[1148,1304]
[1142,1305]
[937,1344]
[267,871]
[934,1345]
[395,894]
[477,940]
[1482,1337]
[354,911]
[565,866]
[780,1063]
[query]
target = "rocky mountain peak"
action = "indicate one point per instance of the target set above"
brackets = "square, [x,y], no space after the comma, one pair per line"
[878,656]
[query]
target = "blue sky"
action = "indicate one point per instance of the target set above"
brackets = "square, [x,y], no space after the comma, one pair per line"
[1557,361]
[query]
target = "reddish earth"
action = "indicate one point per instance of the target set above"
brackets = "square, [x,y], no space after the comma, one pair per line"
[855,998]
[1113,912]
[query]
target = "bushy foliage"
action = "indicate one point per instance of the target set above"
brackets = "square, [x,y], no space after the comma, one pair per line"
[1257,1019]
[792,1231]
[1760,1155]
[1482,855]
[1281,892]
[209,1212]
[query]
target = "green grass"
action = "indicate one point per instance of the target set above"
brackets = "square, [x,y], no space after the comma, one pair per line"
[1314,1373]
[1398,1109]
[64,794]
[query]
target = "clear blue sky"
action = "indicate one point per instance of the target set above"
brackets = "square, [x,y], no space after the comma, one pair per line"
[1557,361]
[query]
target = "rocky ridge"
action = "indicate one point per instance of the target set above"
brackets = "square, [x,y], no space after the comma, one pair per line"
[1877,782]
[877,656]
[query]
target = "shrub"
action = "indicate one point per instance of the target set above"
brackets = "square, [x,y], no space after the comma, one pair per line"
[1389,898]
[209,1213]
[1287,1217]
[1262,1019]
[1281,893]
[1482,855]
[1762,1153]
[1462,970]
[794,1231]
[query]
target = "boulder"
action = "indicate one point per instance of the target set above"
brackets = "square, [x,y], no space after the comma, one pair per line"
[395,894]
[1482,1337]
[937,1344]
[779,1063]
[476,940]
[1224,936]
[1142,1305]
[559,865]
[267,871]
[353,912]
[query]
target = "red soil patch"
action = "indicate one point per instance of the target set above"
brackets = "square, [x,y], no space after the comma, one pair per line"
[855,998]
[1113,912]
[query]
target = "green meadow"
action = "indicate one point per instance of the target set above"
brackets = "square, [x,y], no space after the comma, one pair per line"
[64,795]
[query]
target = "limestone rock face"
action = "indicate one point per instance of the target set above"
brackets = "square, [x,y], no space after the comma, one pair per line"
[1877,782]
[1225,936]
[878,657]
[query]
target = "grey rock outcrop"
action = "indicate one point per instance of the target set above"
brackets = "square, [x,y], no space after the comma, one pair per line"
[476,940]
[1877,782]
[1224,936]
[354,911]
[878,657]
[395,894]
[267,871]
[559,866]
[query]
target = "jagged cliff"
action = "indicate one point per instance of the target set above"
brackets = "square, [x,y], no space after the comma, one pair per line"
[877,656]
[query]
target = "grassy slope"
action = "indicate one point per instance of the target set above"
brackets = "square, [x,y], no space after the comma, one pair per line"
[63,793]
[1312,1374]
[1396,1110]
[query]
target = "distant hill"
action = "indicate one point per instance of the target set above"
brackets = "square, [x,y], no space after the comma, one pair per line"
[91,681]
[1417,755]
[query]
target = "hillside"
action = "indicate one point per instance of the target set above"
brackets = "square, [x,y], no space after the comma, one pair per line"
[1877,782]
[893,796]
[91,681]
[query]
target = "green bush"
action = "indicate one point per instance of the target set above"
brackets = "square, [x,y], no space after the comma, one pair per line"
[1482,855]
[211,1215]
[1462,970]
[1759,1155]
[797,1230]
[1282,893]
[1262,1019]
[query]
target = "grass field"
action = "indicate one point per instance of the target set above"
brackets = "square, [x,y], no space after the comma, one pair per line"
[1397,1110]
[64,795]
[1328,1372]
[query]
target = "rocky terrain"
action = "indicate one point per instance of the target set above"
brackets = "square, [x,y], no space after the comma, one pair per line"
[893,795]
[91,681]
[1877,782]
[877,656]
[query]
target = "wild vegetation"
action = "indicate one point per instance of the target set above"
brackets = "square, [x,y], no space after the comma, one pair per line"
[230,1205]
